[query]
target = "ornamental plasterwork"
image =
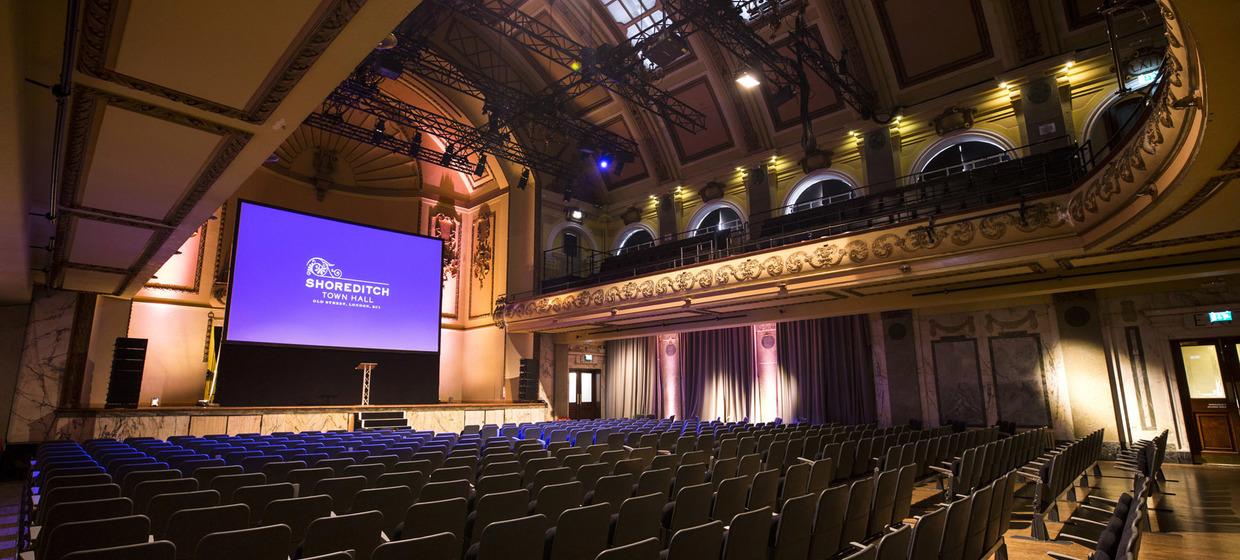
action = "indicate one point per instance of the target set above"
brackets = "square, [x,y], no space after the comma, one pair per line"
[448,228]
[1120,183]
[484,253]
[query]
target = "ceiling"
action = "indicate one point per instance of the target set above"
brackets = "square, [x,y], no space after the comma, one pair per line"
[173,105]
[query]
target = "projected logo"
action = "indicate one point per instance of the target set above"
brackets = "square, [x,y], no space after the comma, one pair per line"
[334,289]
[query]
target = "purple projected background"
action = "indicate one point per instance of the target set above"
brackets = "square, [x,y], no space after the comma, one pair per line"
[309,281]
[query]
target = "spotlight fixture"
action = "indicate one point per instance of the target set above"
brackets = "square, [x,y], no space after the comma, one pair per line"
[415,144]
[448,154]
[524,180]
[481,167]
[575,215]
[748,78]
[379,132]
[605,161]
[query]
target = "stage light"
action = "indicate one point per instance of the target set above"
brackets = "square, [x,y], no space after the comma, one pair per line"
[748,78]
[604,161]
[379,132]
[524,180]
[575,215]
[448,155]
[415,144]
[481,167]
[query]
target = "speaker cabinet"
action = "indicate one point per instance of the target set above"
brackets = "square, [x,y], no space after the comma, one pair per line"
[527,383]
[125,382]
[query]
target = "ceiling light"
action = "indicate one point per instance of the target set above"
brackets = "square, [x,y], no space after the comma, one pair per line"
[748,79]
[448,154]
[575,215]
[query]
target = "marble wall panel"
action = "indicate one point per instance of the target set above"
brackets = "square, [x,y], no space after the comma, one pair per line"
[495,416]
[305,422]
[1019,379]
[957,372]
[475,417]
[207,425]
[76,428]
[42,366]
[121,427]
[244,424]
[437,420]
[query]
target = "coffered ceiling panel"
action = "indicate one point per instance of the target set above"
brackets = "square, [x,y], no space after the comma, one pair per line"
[715,137]
[222,50]
[143,165]
[928,39]
[106,244]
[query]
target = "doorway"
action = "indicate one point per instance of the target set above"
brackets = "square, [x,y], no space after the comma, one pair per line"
[1208,371]
[583,394]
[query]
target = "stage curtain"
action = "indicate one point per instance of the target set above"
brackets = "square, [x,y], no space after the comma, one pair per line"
[631,385]
[826,372]
[717,374]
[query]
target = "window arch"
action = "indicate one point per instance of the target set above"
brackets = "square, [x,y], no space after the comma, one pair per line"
[819,188]
[716,215]
[961,152]
[634,237]
[1111,119]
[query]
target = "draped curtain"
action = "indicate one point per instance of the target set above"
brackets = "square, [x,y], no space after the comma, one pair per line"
[631,381]
[826,372]
[717,375]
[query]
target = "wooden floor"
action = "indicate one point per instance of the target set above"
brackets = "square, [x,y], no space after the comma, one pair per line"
[1197,516]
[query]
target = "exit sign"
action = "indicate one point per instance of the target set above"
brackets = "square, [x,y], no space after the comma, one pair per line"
[1220,316]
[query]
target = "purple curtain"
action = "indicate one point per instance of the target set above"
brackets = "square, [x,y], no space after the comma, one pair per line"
[631,381]
[717,375]
[826,372]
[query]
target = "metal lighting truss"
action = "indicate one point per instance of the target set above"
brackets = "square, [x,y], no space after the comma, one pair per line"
[632,83]
[723,22]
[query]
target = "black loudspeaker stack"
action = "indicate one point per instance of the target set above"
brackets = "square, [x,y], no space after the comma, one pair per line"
[125,383]
[527,383]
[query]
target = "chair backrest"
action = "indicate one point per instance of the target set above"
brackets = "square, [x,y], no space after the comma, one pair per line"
[358,532]
[392,503]
[828,522]
[691,508]
[257,543]
[894,544]
[435,491]
[547,477]
[132,479]
[906,482]
[857,514]
[440,546]
[297,514]
[638,520]
[157,550]
[956,529]
[614,489]
[162,507]
[100,533]
[513,539]
[796,481]
[65,494]
[642,550]
[85,510]
[748,535]
[495,507]
[146,490]
[187,527]
[730,499]
[979,516]
[229,483]
[430,518]
[793,530]
[554,499]
[654,481]
[883,505]
[928,535]
[701,541]
[869,552]
[765,489]
[341,489]
[579,533]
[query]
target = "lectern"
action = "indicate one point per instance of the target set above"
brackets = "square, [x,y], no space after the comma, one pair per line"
[366,368]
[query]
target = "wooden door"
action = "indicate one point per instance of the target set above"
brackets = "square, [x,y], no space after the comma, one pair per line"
[583,394]
[1209,375]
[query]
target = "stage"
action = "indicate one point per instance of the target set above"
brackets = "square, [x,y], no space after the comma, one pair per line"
[162,422]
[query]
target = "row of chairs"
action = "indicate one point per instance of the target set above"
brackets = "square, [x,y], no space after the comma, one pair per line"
[1116,530]
[977,466]
[1055,473]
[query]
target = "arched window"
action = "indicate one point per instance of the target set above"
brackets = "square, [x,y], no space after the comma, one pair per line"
[818,189]
[719,219]
[1113,120]
[569,251]
[962,152]
[635,239]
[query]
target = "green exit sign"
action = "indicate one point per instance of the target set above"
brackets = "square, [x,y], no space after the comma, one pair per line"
[1220,316]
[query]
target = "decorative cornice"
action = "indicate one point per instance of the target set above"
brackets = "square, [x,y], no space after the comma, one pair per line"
[193,287]
[98,33]
[1212,187]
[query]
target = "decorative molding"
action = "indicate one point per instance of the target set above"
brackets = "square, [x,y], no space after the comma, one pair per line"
[1025,30]
[1028,321]
[966,327]
[99,31]
[484,254]
[1212,187]
[191,288]
[448,228]
[1233,161]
